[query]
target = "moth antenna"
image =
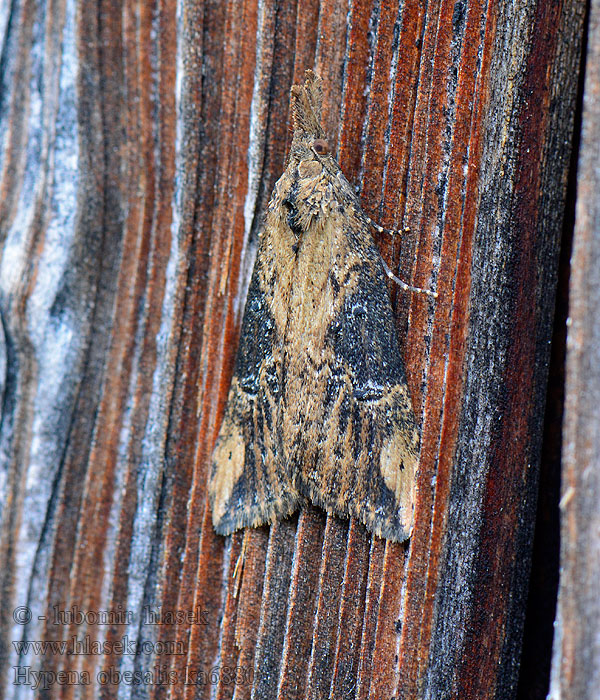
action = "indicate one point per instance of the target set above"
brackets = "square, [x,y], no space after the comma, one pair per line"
[389,231]
[403,285]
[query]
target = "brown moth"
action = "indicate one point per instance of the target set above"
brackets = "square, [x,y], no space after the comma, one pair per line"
[319,406]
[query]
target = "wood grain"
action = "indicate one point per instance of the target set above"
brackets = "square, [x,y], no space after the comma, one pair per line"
[575,670]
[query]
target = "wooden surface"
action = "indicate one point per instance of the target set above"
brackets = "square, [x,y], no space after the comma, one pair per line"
[139,144]
[576,652]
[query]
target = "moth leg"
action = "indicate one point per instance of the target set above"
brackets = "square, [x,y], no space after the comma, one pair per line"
[403,285]
[239,565]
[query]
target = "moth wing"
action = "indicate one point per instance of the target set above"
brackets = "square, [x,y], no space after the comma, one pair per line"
[249,484]
[358,445]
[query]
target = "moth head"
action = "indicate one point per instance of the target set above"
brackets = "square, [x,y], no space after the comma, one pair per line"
[308,142]
[320,147]
[309,148]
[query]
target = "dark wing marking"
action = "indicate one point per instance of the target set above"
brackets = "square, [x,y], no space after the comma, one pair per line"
[249,484]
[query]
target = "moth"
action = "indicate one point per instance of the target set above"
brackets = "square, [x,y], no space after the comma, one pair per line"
[319,407]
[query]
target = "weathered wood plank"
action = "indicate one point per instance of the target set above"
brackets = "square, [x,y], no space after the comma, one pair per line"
[576,651]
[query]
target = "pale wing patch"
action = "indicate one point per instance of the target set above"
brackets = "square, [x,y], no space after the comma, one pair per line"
[398,466]
[229,455]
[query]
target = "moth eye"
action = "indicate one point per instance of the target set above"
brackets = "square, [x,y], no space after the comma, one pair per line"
[320,146]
